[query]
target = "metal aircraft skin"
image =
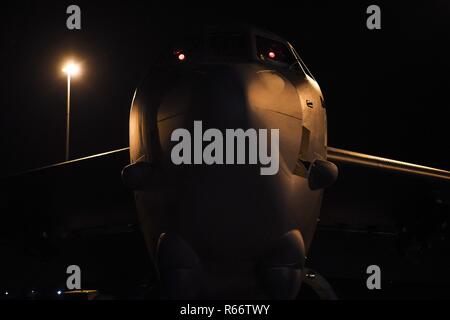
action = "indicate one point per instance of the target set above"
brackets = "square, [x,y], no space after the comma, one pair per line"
[225,231]
[215,231]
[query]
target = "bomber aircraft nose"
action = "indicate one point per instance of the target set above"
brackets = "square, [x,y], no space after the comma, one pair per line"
[214,149]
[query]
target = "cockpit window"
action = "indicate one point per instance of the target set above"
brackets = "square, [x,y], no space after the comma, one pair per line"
[210,47]
[227,46]
[188,48]
[273,51]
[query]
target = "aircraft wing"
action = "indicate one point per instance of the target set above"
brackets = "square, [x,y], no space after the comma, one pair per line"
[365,160]
[81,194]
[70,162]
[74,212]
[386,212]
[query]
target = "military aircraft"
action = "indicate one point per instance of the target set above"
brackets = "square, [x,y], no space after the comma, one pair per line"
[213,228]
[218,230]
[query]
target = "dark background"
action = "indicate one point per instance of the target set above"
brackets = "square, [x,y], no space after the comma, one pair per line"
[385,89]
[386,94]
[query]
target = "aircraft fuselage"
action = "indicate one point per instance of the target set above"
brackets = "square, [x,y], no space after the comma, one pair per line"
[217,230]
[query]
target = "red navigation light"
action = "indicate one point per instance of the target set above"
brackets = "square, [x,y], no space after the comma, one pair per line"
[271,55]
[181,56]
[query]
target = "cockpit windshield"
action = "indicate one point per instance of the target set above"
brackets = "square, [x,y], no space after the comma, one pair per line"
[273,51]
[187,49]
[210,47]
[218,45]
[227,46]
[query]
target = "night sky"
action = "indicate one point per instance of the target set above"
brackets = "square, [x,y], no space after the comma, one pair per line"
[385,89]
[386,93]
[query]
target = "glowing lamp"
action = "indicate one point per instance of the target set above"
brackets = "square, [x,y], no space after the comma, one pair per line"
[71,68]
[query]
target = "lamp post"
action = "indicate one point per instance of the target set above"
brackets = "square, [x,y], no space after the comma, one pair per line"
[71,69]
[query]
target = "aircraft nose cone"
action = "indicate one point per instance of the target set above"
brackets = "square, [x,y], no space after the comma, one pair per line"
[219,197]
[213,95]
[173,99]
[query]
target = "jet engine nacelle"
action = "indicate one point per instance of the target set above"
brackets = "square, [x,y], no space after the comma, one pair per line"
[322,174]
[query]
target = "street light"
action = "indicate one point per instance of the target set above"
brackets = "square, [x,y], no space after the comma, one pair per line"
[71,69]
